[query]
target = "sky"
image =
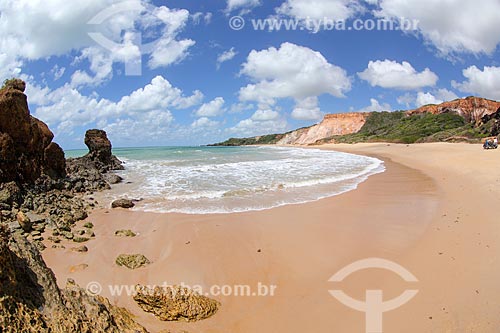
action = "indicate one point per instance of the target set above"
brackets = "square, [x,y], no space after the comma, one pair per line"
[190,72]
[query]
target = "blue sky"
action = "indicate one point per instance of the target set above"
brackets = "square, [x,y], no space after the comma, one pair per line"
[202,81]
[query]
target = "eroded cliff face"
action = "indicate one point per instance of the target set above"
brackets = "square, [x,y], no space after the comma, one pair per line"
[472,109]
[26,147]
[332,124]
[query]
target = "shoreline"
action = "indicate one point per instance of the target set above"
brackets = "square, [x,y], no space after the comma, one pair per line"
[405,214]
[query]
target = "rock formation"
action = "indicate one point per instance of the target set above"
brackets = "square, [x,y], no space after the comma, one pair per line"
[175,303]
[332,124]
[472,109]
[26,147]
[31,301]
[100,150]
[92,171]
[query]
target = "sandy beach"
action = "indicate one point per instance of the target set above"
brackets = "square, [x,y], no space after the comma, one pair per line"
[432,211]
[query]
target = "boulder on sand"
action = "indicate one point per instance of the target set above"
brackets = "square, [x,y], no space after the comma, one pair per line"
[122,203]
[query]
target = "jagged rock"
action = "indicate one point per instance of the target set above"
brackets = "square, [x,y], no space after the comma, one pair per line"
[55,162]
[175,303]
[100,150]
[24,221]
[24,139]
[125,233]
[10,193]
[16,84]
[31,301]
[122,203]
[132,261]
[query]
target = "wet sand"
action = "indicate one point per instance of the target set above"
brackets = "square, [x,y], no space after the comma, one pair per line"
[431,211]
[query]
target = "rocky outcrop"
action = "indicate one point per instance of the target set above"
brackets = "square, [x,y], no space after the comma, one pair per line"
[472,109]
[100,151]
[175,303]
[132,261]
[26,148]
[31,301]
[92,171]
[332,124]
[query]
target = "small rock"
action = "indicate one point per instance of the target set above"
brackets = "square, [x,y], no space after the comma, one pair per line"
[39,227]
[39,245]
[122,203]
[24,221]
[67,234]
[132,261]
[125,233]
[35,218]
[78,239]
[58,246]
[54,239]
[82,248]
[78,268]
[38,238]
[113,178]
[79,232]
[88,225]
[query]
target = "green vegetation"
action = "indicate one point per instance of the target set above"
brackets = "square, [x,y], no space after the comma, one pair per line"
[258,140]
[400,128]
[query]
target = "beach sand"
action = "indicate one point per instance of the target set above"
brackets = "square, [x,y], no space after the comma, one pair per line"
[433,211]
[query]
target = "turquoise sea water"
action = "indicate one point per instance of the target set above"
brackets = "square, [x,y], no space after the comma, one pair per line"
[235,179]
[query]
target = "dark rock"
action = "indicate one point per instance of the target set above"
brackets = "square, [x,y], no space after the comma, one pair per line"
[31,301]
[125,233]
[175,303]
[132,261]
[10,193]
[16,84]
[55,162]
[122,203]
[100,150]
[24,139]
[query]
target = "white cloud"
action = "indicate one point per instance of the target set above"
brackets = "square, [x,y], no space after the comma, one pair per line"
[485,83]
[240,107]
[245,5]
[66,108]
[394,75]
[291,71]
[307,109]
[260,123]
[265,115]
[30,30]
[226,56]
[57,72]
[213,108]
[320,9]
[435,97]
[376,106]
[451,26]
[199,16]
[203,123]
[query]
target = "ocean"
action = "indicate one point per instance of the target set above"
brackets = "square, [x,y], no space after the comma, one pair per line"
[202,180]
